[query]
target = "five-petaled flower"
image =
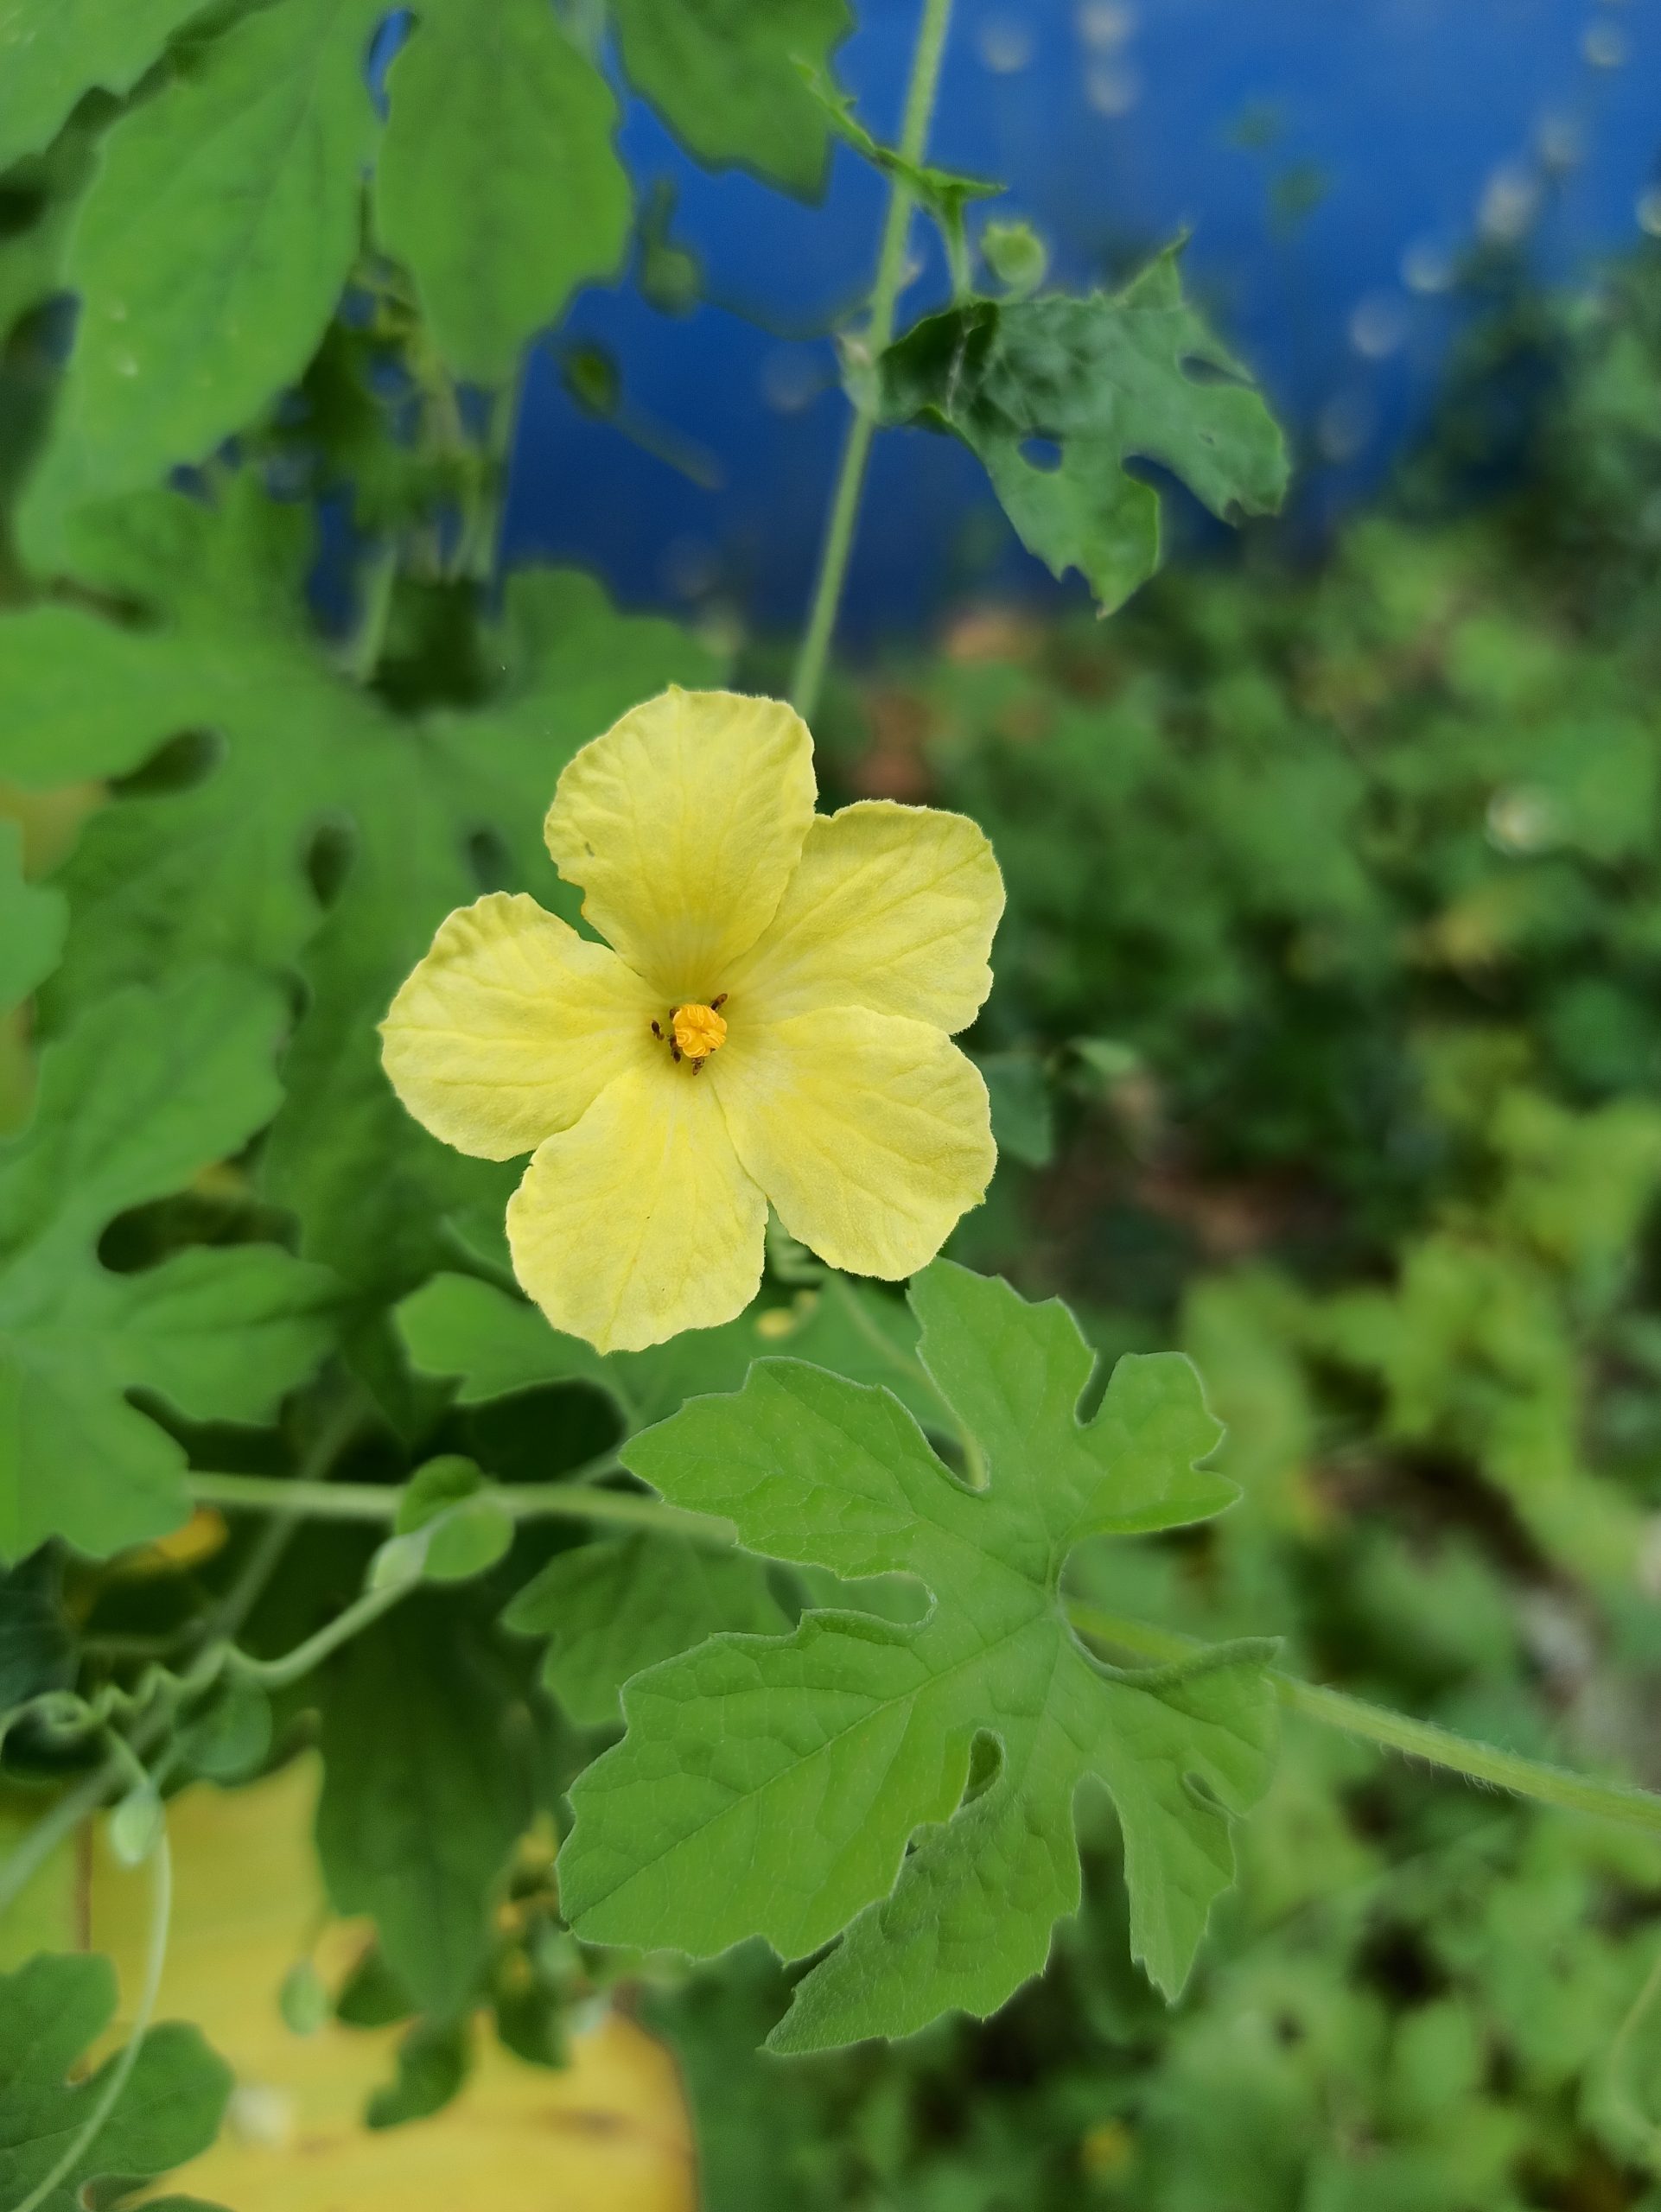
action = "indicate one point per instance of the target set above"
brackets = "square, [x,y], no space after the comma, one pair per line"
[770,1019]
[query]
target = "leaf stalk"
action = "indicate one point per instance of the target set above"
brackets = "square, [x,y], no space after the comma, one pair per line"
[1482,1763]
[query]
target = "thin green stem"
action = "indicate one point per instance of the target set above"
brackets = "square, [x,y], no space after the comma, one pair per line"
[120,2071]
[573,1499]
[32,1851]
[266,1554]
[879,330]
[1395,1731]
[294,1666]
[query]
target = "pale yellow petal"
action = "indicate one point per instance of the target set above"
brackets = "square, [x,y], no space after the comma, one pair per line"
[512,1027]
[893,908]
[683,824]
[870,1135]
[640,1222]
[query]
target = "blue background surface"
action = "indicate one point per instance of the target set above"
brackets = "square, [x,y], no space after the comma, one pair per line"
[1424,124]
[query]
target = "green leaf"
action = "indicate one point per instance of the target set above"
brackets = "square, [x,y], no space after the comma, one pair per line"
[424,1796]
[147,1088]
[37,1646]
[1106,380]
[498,184]
[609,1609]
[52,51]
[169,2109]
[32,924]
[774,1787]
[34,258]
[228,204]
[445,1530]
[432,2065]
[495,1342]
[1023,1124]
[229,1738]
[220,868]
[726,77]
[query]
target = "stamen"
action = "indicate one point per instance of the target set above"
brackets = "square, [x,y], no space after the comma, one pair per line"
[698,1030]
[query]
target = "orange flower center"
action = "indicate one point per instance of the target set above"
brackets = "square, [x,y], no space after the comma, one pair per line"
[697,1030]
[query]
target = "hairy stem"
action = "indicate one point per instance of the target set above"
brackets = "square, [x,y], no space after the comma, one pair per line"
[879,330]
[1417,1739]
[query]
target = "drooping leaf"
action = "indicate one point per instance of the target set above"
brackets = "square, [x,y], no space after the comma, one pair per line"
[726,77]
[494,1342]
[146,1089]
[169,2109]
[424,1794]
[773,1786]
[52,52]
[610,1610]
[498,184]
[210,252]
[32,924]
[1104,380]
[219,867]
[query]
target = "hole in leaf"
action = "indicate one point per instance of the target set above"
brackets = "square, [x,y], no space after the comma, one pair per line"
[1042,453]
[179,766]
[328,859]
[985,1764]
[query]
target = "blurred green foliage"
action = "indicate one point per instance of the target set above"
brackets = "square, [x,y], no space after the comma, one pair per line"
[1329,1024]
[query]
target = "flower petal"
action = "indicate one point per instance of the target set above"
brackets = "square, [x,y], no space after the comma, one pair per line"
[893,908]
[640,1222]
[870,1135]
[683,824]
[512,1027]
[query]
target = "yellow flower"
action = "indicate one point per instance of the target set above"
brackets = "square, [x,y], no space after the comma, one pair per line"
[769,1021]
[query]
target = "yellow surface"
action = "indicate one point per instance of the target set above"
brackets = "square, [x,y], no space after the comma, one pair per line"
[609,2134]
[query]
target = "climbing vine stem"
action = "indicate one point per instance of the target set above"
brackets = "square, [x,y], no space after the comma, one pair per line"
[844,514]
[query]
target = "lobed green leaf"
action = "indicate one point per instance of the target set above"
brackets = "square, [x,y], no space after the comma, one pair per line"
[146,1090]
[794,1788]
[1106,380]
[169,2109]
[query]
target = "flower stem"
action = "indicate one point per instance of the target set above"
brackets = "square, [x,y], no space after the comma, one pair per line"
[1419,1739]
[879,330]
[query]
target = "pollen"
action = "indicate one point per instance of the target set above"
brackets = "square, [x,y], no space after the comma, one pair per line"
[697,1031]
